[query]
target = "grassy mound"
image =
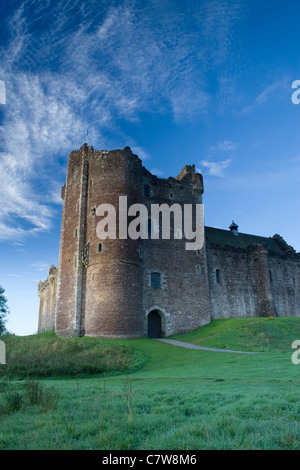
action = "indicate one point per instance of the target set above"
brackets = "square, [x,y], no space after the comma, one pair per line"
[247,334]
[47,355]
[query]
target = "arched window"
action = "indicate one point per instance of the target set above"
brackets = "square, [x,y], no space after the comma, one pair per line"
[99,248]
[155,280]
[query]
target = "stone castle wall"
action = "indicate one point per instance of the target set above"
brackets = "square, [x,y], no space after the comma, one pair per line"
[114,292]
[183,298]
[47,292]
[253,282]
[285,284]
[103,287]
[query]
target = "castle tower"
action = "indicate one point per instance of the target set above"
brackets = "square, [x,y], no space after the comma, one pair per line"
[266,306]
[100,281]
[175,292]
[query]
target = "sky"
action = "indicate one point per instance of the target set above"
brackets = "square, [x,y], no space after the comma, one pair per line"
[204,82]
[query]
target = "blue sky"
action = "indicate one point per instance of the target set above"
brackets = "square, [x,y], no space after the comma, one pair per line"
[194,82]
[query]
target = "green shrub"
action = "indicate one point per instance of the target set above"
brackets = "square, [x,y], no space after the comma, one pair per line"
[48,399]
[13,400]
[38,394]
[34,391]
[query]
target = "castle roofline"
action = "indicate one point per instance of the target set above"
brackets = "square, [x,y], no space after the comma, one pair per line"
[222,238]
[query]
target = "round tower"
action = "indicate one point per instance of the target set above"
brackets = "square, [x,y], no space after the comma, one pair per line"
[112,278]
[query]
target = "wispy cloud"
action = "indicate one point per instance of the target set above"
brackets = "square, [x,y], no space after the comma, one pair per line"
[216,168]
[41,267]
[67,63]
[141,152]
[156,172]
[273,91]
[286,175]
[224,146]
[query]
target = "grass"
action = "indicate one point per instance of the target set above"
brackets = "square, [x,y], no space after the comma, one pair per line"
[47,355]
[255,334]
[169,397]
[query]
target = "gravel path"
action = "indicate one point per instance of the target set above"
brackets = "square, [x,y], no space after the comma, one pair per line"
[174,342]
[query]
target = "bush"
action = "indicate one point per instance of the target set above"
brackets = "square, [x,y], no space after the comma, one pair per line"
[48,399]
[34,391]
[38,394]
[13,400]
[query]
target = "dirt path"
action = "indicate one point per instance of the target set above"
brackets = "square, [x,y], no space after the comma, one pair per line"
[174,342]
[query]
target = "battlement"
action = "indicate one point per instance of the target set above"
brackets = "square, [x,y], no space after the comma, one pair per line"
[52,276]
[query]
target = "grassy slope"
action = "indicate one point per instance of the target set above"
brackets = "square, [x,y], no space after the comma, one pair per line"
[46,355]
[247,334]
[176,398]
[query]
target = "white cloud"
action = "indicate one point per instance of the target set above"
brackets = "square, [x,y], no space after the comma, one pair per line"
[41,267]
[141,153]
[156,172]
[36,127]
[272,91]
[224,146]
[216,168]
[107,63]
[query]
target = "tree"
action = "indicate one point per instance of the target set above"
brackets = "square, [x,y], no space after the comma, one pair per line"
[4,310]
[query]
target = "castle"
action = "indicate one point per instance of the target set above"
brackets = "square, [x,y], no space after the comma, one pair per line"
[125,288]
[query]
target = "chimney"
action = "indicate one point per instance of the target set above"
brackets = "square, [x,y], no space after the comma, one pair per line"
[234,228]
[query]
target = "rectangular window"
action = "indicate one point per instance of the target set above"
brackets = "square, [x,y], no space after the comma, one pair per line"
[155,280]
[86,255]
[147,190]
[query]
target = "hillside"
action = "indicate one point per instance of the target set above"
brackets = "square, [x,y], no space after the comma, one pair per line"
[247,334]
[46,355]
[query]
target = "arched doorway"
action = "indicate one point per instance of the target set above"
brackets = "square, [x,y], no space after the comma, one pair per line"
[154,325]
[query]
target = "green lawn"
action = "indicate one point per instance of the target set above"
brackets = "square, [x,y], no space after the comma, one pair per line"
[159,396]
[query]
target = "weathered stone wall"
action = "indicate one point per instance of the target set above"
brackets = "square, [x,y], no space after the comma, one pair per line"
[234,293]
[285,284]
[70,292]
[114,297]
[253,282]
[182,299]
[47,294]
